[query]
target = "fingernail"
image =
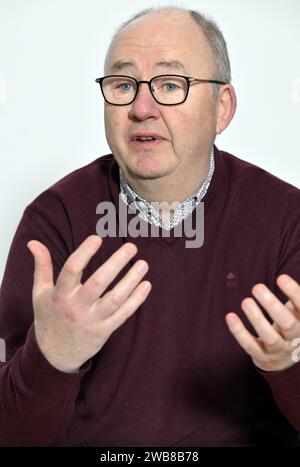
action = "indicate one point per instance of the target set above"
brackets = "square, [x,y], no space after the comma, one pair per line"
[284,280]
[94,241]
[142,266]
[128,250]
[260,289]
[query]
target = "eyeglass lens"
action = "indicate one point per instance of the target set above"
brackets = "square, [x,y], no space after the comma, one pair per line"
[168,89]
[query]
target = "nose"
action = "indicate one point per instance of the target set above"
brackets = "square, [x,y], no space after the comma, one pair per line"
[144,105]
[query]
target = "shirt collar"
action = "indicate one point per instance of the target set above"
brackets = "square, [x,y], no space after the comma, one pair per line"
[147,211]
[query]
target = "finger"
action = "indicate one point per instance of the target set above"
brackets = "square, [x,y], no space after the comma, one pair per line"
[43,270]
[96,285]
[71,273]
[245,339]
[283,318]
[267,333]
[133,302]
[115,298]
[290,306]
[290,288]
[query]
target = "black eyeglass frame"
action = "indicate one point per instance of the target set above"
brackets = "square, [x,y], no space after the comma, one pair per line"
[188,80]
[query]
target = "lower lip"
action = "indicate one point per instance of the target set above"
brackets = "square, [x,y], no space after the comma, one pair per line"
[147,144]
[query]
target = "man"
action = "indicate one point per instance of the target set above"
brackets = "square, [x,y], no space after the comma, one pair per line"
[202,352]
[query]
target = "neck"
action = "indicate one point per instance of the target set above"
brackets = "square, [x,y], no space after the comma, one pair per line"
[172,188]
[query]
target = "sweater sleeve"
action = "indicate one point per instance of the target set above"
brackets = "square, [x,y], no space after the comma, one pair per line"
[36,400]
[285,384]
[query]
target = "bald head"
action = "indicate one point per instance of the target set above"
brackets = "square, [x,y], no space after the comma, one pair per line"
[166,41]
[156,23]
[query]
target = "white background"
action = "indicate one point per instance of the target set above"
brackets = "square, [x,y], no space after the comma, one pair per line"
[51,109]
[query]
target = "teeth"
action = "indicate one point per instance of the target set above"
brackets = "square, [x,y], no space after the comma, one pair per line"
[145,138]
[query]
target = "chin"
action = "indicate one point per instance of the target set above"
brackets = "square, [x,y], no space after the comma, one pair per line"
[147,174]
[148,165]
[149,171]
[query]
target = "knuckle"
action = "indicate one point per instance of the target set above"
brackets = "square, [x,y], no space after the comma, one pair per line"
[115,299]
[98,281]
[288,326]
[274,342]
[71,268]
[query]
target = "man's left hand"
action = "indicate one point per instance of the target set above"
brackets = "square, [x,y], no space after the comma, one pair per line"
[273,349]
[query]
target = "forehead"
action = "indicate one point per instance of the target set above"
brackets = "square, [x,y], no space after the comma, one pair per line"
[159,38]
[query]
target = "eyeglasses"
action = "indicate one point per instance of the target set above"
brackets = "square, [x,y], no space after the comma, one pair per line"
[165,89]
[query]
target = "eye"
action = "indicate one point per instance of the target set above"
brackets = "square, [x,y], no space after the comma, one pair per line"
[125,86]
[170,86]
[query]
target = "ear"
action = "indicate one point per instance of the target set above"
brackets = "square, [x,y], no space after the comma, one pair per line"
[226,106]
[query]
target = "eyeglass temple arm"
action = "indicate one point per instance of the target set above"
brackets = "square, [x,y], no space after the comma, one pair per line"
[214,81]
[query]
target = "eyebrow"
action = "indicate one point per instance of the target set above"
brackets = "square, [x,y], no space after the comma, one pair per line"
[119,65]
[171,64]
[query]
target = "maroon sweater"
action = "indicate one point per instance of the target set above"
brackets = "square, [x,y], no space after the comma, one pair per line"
[172,375]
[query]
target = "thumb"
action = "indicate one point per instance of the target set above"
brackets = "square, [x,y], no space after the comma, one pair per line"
[43,270]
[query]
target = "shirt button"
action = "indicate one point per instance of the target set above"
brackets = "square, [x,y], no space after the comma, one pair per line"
[140,204]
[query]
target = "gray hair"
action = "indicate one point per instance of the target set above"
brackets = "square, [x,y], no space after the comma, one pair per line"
[211,31]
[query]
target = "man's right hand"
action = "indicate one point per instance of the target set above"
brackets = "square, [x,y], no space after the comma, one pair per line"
[74,320]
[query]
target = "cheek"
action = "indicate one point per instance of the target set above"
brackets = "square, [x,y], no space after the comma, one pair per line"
[114,123]
[184,126]
[177,120]
[199,120]
[192,127]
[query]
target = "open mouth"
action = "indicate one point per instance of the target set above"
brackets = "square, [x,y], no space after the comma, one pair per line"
[144,140]
[147,143]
